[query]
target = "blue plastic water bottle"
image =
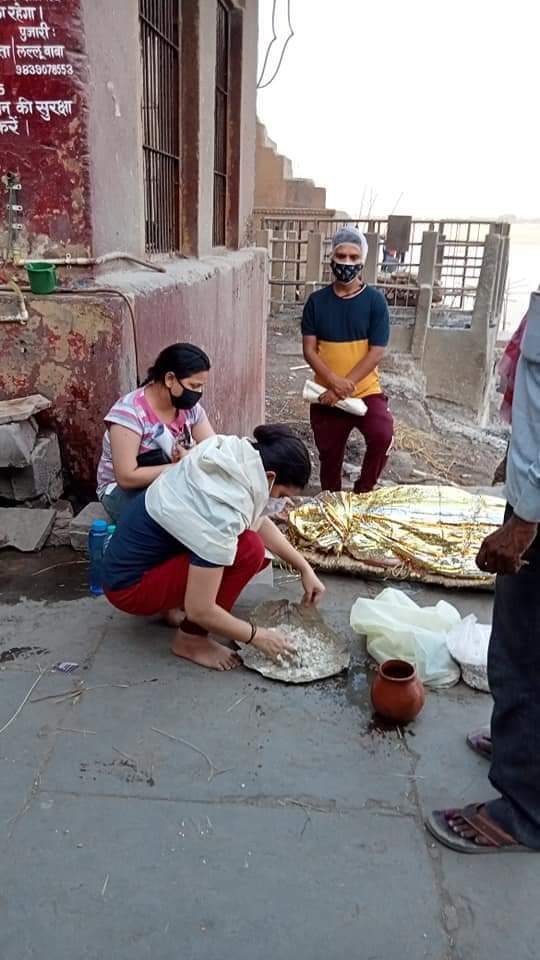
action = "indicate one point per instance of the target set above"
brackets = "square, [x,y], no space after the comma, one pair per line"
[96,544]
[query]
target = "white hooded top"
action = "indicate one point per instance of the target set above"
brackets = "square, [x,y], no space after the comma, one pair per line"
[210,497]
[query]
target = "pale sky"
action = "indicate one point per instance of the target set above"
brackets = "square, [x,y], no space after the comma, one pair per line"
[433,99]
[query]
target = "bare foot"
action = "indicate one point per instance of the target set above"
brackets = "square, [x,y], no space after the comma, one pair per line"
[206,652]
[174,617]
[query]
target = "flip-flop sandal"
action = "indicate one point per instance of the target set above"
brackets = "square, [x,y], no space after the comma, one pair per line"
[476,741]
[478,820]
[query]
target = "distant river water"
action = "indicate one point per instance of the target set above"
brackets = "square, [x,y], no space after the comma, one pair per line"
[523,273]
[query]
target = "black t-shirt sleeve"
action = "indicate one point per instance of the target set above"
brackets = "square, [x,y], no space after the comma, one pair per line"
[308,319]
[379,322]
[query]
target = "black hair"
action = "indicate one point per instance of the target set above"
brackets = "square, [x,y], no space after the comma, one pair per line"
[284,454]
[182,359]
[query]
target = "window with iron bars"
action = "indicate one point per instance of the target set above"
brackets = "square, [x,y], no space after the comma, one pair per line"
[221,117]
[160,54]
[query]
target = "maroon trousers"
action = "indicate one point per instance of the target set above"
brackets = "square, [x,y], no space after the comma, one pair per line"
[332,428]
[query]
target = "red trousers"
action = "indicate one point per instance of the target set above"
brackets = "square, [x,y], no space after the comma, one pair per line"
[164,587]
[332,428]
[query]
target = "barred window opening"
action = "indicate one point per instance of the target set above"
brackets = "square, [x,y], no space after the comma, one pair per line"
[221,117]
[160,54]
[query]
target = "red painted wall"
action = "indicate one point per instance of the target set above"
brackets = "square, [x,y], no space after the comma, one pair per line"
[43,136]
[220,307]
[79,351]
[70,127]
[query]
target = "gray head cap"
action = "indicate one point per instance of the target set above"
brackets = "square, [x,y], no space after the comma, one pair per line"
[350,235]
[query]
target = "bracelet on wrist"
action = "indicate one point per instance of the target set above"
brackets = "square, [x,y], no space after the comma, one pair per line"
[253,632]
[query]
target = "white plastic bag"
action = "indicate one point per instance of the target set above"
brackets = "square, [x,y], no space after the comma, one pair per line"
[397,628]
[468,643]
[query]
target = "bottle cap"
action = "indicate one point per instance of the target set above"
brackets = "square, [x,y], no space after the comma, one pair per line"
[99,526]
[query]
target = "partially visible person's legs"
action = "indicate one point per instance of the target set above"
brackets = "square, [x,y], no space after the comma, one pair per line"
[514,680]
[377,428]
[161,588]
[250,559]
[164,587]
[117,500]
[331,429]
[191,641]
[512,821]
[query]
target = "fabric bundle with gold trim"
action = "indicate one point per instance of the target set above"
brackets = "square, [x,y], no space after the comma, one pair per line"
[428,533]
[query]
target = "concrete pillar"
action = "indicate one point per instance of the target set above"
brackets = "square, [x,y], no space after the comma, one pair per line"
[112,46]
[263,238]
[504,272]
[276,271]
[503,232]
[428,257]
[485,290]
[426,275]
[439,261]
[302,247]
[371,268]
[502,275]
[423,314]
[483,334]
[246,30]
[205,64]
[291,267]
[314,257]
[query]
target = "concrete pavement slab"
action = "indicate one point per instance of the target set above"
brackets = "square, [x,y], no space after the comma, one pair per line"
[324,808]
[137,879]
[270,743]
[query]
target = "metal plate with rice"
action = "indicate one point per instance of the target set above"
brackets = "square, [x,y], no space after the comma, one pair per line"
[321,653]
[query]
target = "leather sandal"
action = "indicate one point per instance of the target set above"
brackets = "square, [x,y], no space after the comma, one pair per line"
[476,819]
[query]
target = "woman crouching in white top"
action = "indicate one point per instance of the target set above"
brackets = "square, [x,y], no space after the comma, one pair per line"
[197,536]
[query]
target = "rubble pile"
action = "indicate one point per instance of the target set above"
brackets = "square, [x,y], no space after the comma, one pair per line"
[31,479]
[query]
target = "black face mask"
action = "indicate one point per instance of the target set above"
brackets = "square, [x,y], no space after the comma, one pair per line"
[187,399]
[346,272]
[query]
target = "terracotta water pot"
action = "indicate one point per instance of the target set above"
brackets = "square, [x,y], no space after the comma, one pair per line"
[397,694]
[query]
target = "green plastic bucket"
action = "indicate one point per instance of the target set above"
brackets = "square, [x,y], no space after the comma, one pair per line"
[42,277]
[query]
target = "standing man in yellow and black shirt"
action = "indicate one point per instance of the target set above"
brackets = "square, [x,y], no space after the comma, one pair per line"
[346,329]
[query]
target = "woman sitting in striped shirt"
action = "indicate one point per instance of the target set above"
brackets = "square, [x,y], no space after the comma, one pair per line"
[153,426]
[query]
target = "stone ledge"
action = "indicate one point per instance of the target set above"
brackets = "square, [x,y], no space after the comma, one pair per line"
[79,527]
[23,529]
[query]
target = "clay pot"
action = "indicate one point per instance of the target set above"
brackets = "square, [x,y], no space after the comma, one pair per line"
[397,694]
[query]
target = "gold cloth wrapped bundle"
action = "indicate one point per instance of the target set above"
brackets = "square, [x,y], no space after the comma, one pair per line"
[429,533]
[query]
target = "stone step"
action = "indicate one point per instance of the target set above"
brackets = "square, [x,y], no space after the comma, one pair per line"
[25,529]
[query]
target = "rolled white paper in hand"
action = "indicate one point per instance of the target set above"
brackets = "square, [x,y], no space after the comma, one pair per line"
[312,392]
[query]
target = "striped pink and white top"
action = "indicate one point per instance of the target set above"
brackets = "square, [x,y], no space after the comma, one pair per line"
[134,412]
